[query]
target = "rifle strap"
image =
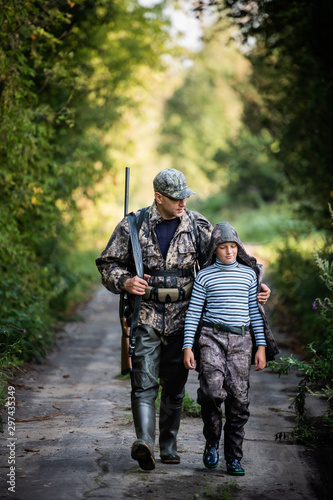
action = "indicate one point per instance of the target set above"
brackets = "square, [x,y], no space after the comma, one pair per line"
[139,271]
[140,218]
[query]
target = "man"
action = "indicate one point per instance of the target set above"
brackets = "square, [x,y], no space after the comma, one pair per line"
[174,243]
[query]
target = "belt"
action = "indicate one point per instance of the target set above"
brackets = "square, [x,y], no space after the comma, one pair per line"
[183,273]
[239,330]
[168,294]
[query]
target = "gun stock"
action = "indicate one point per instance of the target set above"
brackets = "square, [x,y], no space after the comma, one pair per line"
[126,360]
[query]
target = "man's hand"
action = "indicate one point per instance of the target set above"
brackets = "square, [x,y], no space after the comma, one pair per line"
[264,294]
[260,358]
[136,285]
[189,358]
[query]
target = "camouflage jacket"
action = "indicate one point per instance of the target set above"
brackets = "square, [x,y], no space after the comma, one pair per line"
[116,264]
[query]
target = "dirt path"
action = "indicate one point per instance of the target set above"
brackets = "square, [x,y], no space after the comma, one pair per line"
[82,449]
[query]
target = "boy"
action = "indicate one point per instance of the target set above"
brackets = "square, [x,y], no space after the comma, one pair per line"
[225,296]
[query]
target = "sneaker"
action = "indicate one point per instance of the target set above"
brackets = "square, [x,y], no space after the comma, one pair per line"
[234,467]
[211,455]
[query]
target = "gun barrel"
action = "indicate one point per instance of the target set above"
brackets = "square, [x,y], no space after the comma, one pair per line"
[127,173]
[126,361]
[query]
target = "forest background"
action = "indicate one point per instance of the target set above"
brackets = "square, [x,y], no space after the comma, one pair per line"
[89,87]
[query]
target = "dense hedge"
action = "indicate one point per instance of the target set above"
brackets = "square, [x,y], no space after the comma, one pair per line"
[67,73]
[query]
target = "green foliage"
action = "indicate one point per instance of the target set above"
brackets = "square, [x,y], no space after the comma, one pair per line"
[11,347]
[297,284]
[68,72]
[203,134]
[317,370]
[222,494]
[253,177]
[315,432]
[287,147]
[190,407]
[316,373]
[204,113]
[306,435]
[292,72]
[325,266]
[261,225]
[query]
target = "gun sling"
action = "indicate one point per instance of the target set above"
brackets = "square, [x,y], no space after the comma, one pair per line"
[183,273]
[139,271]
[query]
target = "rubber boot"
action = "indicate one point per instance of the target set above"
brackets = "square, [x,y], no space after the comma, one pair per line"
[143,447]
[170,412]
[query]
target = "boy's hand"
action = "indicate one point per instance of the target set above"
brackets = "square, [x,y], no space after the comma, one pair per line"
[260,358]
[189,358]
[264,294]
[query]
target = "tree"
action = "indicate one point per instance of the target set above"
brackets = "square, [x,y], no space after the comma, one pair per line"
[68,71]
[204,113]
[289,45]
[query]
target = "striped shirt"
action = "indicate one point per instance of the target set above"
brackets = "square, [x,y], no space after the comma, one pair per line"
[227,293]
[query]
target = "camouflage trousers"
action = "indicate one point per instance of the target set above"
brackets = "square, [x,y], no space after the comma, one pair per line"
[225,362]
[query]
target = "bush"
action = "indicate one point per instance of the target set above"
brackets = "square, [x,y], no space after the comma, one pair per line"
[297,283]
[67,74]
[317,370]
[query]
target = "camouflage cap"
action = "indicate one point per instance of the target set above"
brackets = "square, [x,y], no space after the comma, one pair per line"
[172,182]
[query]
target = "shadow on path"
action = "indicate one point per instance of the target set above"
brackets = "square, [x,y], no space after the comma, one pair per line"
[74,430]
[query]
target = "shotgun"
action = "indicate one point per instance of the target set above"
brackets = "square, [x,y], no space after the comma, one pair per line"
[126,360]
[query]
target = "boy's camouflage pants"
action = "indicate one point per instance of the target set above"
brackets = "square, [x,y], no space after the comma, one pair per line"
[225,362]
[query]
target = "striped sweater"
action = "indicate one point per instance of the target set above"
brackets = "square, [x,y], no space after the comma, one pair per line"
[228,294]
